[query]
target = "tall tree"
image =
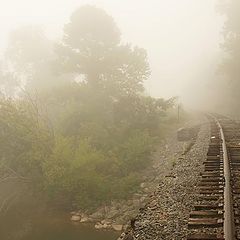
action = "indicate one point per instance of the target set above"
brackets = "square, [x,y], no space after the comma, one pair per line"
[92,48]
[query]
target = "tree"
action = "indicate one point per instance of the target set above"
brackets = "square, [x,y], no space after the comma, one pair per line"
[92,48]
[230,66]
[30,56]
[26,137]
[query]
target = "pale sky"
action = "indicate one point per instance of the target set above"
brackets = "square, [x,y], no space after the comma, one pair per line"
[181,36]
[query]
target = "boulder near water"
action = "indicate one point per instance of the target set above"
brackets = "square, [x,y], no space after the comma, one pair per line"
[75,218]
[117,227]
[85,219]
[99,225]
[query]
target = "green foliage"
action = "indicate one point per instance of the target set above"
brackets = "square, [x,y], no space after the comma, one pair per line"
[135,151]
[99,160]
[87,176]
[71,170]
[25,138]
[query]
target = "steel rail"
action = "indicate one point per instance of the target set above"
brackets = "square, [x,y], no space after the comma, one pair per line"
[229,224]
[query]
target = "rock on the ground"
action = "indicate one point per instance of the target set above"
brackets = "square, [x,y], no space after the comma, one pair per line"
[75,218]
[117,227]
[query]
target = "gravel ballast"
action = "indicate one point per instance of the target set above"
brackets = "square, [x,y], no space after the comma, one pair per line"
[176,175]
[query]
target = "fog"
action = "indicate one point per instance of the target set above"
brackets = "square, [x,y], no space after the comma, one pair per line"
[104,117]
[182,38]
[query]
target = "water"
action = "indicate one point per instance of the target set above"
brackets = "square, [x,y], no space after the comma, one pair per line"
[60,229]
[28,217]
[44,226]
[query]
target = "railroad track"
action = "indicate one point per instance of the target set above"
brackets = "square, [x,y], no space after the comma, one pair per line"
[216,214]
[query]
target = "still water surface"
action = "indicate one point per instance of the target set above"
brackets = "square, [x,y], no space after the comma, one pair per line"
[49,227]
[66,231]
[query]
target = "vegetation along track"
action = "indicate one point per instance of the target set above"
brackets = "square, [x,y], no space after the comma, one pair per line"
[216,213]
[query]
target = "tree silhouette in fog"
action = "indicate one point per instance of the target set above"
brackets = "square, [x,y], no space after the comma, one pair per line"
[91,47]
[30,56]
[91,50]
[230,67]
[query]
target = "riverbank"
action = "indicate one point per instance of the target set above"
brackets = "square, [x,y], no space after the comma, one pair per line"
[29,224]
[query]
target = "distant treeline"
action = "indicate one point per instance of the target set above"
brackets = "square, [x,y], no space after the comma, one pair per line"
[74,119]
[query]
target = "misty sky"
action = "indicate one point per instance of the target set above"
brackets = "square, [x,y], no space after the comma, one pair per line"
[181,36]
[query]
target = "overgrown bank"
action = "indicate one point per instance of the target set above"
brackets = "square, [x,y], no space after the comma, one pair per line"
[97,161]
